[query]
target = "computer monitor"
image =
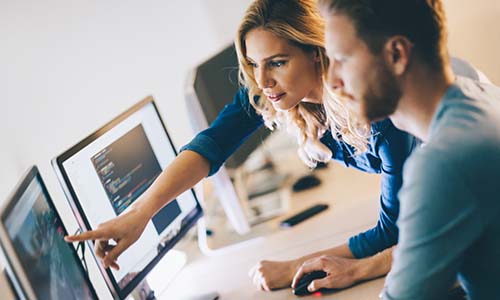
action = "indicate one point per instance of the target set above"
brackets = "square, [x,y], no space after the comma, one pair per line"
[106,172]
[8,291]
[32,236]
[209,87]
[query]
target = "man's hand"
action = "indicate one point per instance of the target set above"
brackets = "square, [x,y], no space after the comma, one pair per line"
[341,272]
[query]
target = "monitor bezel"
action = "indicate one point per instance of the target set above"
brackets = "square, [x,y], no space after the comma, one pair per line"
[11,282]
[13,260]
[188,221]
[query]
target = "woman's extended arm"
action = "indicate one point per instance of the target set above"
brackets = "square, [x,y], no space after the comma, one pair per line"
[201,157]
[185,171]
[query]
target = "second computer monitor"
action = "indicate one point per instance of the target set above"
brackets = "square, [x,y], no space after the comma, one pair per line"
[32,235]
[109,170]
[213,85]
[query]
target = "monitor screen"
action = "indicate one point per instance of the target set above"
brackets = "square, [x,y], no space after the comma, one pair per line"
[109,170]
[214,85]
[32,235]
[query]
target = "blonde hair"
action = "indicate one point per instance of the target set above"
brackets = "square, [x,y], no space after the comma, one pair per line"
[299,22]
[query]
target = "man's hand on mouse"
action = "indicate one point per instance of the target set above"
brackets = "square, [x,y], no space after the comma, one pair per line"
[341,272]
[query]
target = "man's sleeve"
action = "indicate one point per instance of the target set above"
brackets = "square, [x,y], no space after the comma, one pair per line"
[234,124]
[439,219]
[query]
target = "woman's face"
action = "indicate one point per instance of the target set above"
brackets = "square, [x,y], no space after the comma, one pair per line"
[286,74]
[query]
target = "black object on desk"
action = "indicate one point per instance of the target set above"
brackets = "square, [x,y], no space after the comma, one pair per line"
[321,165]
[301,287]
[306,182]
[303,215]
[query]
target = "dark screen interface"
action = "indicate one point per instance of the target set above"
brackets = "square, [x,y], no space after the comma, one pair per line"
[52,267]
[126,168]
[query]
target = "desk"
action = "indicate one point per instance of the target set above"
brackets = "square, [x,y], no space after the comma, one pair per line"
[353,198]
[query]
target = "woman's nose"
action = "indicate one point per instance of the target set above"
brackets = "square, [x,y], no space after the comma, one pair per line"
[263,79]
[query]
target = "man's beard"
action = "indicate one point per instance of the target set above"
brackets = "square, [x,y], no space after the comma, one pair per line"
[381,97]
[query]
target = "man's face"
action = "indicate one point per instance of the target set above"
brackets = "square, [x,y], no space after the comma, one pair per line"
[362,77]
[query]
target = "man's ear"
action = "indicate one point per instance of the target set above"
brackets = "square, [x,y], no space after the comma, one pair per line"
[397,53]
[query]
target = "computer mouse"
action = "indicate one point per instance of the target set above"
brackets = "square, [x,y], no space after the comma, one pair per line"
[301,287]
[306,182]
[321,165]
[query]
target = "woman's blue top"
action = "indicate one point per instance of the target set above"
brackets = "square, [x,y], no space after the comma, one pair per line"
[388,150]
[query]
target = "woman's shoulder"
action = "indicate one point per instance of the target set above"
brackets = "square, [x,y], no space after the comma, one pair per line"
[386,130]
[242,95]
[241,99]
[382,126]
[392,145]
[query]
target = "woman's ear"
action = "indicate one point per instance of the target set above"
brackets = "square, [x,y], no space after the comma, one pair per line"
[317,55]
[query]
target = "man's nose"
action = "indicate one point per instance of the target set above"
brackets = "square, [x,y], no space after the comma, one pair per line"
[335,82]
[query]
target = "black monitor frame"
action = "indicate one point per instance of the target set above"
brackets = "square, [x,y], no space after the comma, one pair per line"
[189,221]
[214,84]
[12,258]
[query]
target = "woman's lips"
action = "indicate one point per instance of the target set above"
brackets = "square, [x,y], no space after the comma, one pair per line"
[276,98]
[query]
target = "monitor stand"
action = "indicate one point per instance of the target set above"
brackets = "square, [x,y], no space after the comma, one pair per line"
[263,197]
[142,292]
[160,276]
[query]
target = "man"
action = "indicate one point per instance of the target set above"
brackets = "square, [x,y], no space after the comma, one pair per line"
[389,58]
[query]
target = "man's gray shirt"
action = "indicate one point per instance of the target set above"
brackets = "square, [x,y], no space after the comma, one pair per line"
[450,201]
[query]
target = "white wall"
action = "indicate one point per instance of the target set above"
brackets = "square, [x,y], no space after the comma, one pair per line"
[69,66]
[474,33]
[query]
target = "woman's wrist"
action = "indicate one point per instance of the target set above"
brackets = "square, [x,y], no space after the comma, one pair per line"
[145,206]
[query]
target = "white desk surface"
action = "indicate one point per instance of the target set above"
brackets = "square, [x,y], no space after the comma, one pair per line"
[353,198]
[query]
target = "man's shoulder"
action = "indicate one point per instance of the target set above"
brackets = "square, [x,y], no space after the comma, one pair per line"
[454,156]
[469,114]
[433,158]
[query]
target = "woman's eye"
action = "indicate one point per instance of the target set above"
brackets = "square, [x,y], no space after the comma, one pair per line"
[277,64]
[252,64]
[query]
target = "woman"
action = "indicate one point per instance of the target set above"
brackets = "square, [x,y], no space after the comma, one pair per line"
[282,66]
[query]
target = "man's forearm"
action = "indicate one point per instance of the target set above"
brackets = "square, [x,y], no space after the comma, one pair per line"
[340,251]
[365,268]
[376,265]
